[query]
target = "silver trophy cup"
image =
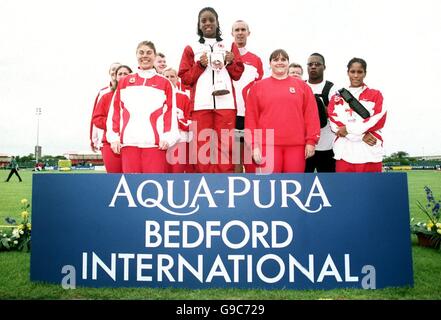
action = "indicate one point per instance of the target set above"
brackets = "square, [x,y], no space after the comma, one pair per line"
[217,63]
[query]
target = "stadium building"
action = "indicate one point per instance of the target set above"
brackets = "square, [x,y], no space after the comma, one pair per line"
[4,160]
[79,158]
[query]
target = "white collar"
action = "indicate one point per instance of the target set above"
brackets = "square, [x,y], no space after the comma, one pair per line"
[356,90]
[150,73]
[243,51]
[210,41]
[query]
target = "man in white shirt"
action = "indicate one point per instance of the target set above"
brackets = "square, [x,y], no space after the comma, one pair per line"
[253,72]
[323,159]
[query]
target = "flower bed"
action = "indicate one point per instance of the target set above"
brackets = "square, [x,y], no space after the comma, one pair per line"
[429,232]
[15,236]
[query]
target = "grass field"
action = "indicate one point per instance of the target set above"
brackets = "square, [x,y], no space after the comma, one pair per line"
[15,266]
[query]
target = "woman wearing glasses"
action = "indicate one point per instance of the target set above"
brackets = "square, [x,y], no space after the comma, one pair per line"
[358,146]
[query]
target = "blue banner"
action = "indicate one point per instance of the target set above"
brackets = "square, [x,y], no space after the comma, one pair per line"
[290,231]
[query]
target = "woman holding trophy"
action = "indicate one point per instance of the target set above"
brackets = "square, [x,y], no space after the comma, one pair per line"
[208,68]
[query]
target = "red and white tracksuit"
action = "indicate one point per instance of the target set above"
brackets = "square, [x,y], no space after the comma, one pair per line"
[96,134]
[211,112]
[142,114]
[286,112]
[181,87]
[253,71]
[178,155]
[351,152]
[112,161]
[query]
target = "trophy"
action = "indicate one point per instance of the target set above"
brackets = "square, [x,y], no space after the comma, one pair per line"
[217,59]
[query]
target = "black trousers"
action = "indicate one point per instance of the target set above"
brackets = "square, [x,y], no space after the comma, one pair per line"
[322,161]
[11,173]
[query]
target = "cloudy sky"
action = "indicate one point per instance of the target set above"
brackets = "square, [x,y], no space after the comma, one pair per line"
[55,55]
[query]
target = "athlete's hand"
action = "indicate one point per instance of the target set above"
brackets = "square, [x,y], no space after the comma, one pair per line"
[203,60]
[116,147]
[257,156]
[229,57]
[341,132]
[163,145]
[369,139]
[309,151]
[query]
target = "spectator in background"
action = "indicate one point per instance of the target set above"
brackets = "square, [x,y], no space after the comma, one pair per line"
[96,134]
[253,71]
[160,63]
[178,155]
[161,66]
[284,107]
[213,112]
[112,161]
[295,70]
[38,166]
[13,165]
[142,124]
[358,146]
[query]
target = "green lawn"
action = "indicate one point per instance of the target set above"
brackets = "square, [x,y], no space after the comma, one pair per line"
[12,192]
[15,266]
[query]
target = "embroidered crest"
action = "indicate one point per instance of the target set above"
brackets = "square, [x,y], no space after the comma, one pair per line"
[132,80]
[292,90]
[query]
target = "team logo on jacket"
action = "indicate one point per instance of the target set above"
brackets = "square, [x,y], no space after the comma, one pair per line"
[292,90]
[132,80]
[337,98]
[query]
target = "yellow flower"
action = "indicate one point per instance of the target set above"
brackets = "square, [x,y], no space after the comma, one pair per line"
[438,225]
[429,226]
[29,226]
[25,214]
[20,227]
[24,201]
[438,230]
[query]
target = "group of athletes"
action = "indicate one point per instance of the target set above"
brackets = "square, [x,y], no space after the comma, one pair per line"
[217,114]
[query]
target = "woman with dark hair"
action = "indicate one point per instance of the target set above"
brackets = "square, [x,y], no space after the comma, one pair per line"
[358,146]
[112,161]
[281,120]
[212,95]
[142,122]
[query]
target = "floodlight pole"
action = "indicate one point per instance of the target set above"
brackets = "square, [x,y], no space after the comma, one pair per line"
[38,114]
